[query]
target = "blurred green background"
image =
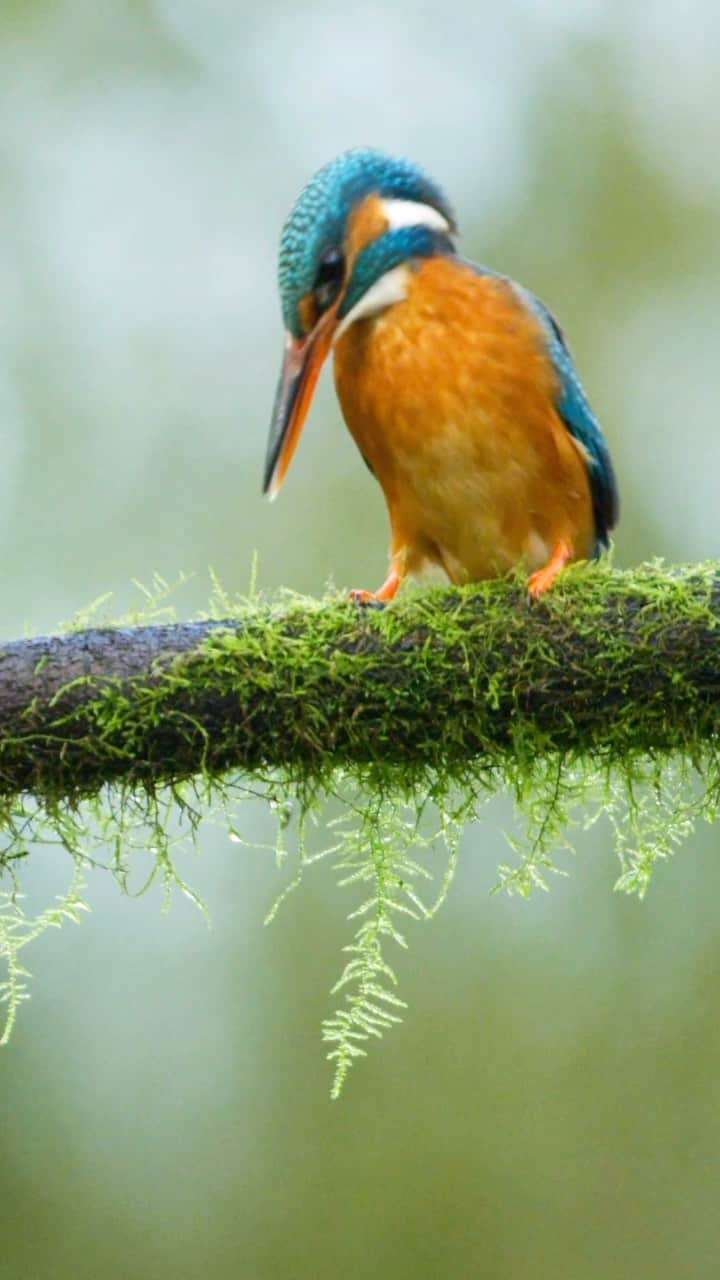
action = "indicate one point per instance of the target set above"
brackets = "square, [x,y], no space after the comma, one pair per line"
[551,1105]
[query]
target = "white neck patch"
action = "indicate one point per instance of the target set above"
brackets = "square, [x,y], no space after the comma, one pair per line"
[390,288]
[411,213]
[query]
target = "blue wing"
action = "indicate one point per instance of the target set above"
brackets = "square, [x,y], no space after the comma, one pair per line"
[580,422]
[574,410]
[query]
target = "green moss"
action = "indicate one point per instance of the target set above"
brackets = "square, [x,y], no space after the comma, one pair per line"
[599,700]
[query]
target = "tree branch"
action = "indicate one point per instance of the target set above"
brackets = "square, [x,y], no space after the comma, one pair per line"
[608,664]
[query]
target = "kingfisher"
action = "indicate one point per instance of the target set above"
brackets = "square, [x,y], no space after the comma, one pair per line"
[456,383]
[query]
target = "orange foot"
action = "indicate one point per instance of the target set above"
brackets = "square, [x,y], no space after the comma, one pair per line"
[542,579]
[387,591]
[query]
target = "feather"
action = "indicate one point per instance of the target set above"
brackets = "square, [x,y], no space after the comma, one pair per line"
[580,420]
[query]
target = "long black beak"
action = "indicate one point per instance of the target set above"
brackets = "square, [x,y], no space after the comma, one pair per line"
[303,360]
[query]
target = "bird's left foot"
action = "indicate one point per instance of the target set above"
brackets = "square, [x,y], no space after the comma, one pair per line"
[387,591]
[540,581]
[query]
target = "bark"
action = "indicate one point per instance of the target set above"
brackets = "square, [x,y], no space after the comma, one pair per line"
[608,665]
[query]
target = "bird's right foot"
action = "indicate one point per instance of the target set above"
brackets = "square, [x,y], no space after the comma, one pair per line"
[387,591]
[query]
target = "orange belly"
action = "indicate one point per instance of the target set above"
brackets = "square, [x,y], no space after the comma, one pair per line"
[450,396]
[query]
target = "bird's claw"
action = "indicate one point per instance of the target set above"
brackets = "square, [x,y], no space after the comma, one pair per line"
[367,599]
[378,599]
[542,579]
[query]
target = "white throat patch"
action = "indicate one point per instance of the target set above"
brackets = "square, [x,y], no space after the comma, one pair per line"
[390,288]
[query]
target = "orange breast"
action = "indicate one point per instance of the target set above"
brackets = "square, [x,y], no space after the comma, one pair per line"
[450,396]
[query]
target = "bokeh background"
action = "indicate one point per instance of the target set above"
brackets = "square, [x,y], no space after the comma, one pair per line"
[551,1105]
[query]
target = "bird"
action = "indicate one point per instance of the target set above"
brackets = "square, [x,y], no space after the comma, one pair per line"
[456,383]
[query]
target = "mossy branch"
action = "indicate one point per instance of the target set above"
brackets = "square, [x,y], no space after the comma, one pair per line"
[608,664]
[604,697]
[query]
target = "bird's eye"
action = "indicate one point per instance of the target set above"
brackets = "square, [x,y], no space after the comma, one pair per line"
[329,278]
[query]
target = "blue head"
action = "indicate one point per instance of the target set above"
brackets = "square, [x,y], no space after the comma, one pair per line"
[319,224]
[361,216]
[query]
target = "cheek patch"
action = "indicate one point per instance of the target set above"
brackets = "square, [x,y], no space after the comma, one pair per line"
[366,223]
[411,213]
[308,313]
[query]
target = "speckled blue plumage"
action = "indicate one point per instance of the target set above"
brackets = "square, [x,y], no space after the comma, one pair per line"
[319,216]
